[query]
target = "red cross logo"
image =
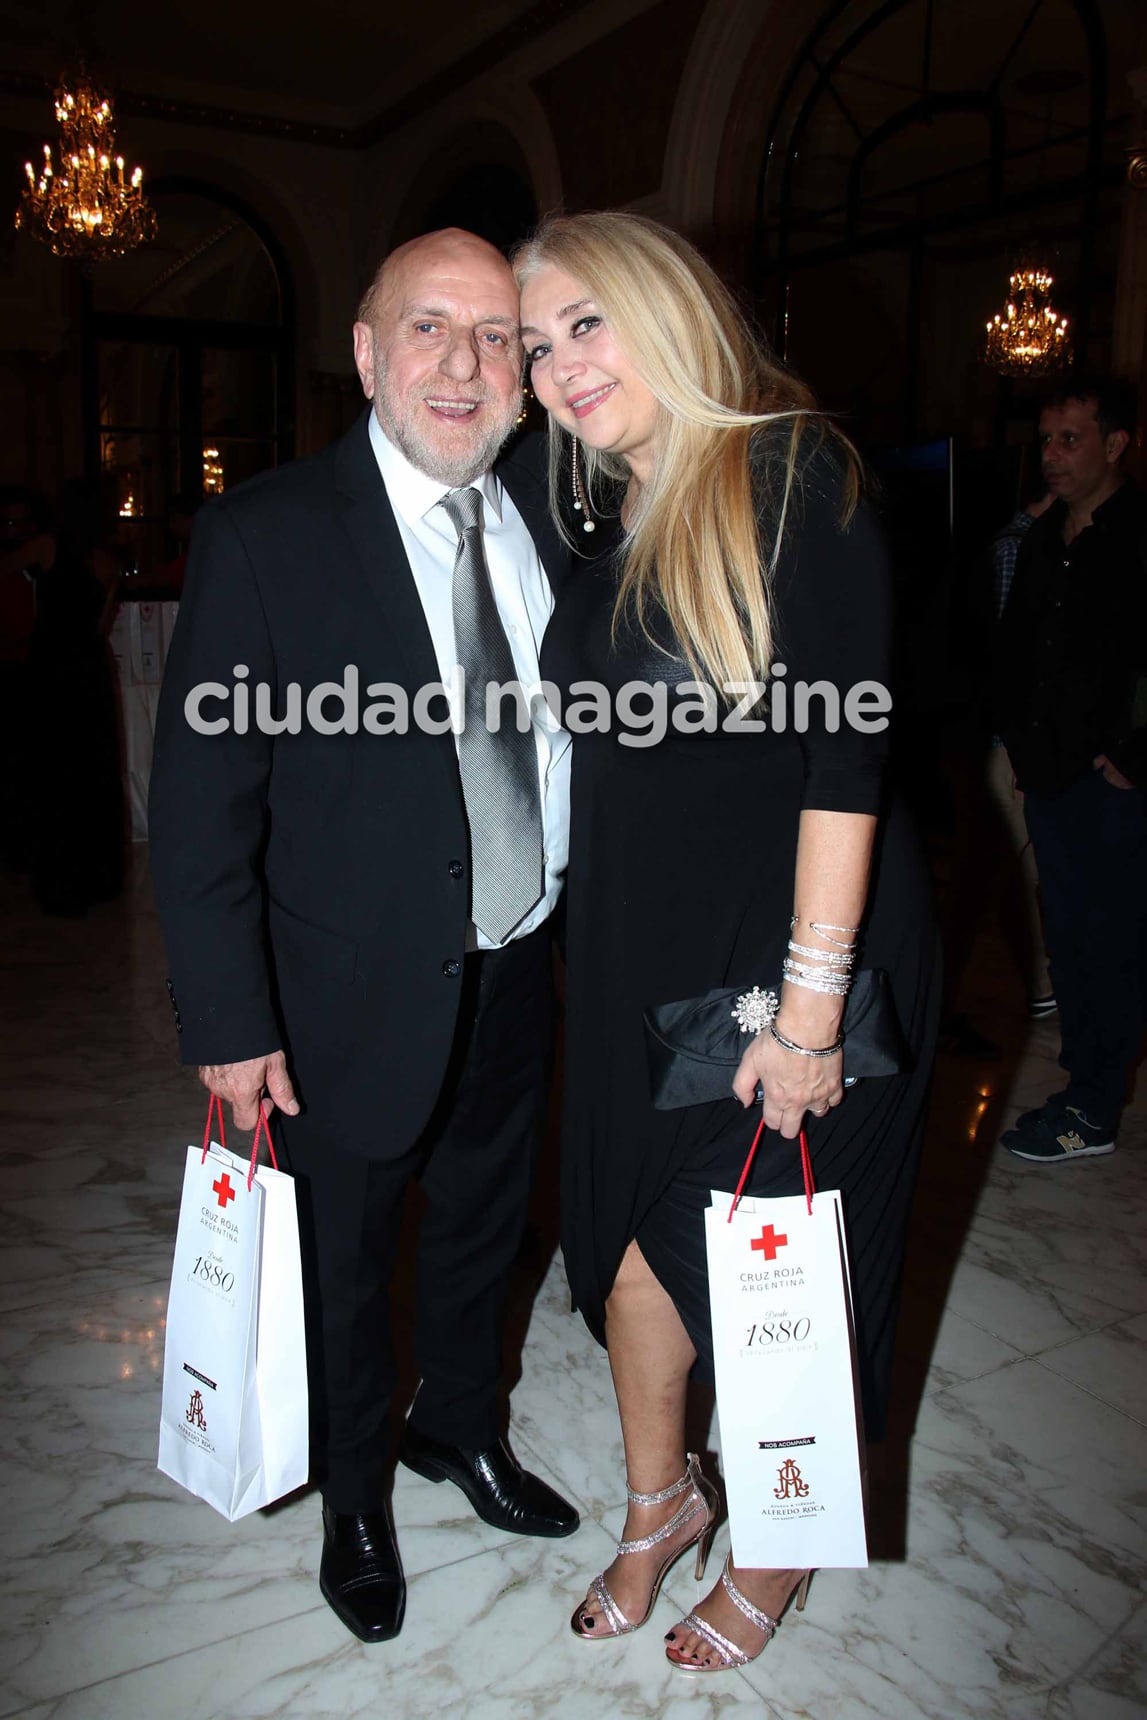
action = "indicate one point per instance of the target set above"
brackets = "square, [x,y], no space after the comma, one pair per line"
[768,1242]
[225,1192]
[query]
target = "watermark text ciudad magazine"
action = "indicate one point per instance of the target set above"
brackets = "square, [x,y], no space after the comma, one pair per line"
[642,713]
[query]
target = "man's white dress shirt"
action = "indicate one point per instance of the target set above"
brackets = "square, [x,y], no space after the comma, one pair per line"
[525,602]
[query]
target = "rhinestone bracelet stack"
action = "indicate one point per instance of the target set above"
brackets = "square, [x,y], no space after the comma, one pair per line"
[827,971]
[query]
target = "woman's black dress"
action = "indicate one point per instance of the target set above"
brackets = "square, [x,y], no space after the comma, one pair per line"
[681,878]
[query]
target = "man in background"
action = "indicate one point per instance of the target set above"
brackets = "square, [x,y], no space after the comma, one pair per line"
[1072,693]
[1020,900]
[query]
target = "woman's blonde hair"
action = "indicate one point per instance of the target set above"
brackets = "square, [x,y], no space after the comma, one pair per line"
[695,546]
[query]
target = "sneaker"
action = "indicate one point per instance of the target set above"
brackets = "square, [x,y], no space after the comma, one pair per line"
[1041,1007]
[1051,1140]
[1052,1108]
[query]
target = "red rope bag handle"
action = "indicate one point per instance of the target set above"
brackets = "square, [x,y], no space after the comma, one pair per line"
[215,1101]
[806,1167]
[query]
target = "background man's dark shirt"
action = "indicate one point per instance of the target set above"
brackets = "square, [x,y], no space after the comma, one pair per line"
[1072,662]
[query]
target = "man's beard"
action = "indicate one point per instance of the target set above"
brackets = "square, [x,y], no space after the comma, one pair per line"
[407,427]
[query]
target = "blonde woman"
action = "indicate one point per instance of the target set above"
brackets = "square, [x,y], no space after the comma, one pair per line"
[730,546]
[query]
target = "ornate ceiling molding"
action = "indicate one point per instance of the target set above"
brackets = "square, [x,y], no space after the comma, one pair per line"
[180,112]
[490,55]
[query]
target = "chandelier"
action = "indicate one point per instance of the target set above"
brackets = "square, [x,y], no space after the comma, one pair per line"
[212,472]
[87,209]
[1029,337]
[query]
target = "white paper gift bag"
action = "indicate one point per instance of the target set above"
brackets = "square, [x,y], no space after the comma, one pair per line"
[234,1420]
[785,1372]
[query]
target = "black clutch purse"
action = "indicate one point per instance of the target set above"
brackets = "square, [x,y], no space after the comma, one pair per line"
[695,1047]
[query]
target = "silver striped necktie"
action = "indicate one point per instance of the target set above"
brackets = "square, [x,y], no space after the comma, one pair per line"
[499,771]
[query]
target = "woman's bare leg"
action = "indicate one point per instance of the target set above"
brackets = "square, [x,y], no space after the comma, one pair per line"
[650,1355]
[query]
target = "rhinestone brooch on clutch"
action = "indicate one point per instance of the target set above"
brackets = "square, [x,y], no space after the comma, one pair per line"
[756,1010]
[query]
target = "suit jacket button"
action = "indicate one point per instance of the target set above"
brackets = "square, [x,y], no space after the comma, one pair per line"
[451,969]
[456,868]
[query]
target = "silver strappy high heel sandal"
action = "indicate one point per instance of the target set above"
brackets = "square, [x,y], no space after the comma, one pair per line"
[701,1498]
[728,1654]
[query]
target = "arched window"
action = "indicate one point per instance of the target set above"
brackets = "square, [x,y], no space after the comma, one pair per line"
[188,362]
[916,149]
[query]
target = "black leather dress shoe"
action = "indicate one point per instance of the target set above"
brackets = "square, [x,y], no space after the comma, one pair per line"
[502,1493]
[361,1576]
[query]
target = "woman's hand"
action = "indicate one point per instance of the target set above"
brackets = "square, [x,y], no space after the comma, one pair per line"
[793,1084]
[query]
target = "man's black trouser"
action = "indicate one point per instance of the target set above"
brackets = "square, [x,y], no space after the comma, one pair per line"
[1090,845]
[475,1164]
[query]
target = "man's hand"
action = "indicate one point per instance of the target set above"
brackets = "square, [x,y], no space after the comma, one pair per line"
[1111,773]
[242,1085]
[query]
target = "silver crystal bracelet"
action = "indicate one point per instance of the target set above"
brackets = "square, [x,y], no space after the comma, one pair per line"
[805,1050]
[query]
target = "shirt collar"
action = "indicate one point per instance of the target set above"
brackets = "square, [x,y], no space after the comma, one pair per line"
[413,494]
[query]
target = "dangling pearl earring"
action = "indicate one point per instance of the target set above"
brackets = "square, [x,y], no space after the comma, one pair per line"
[581,505]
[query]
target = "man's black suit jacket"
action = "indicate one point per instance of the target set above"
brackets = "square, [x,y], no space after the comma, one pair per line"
[313,889]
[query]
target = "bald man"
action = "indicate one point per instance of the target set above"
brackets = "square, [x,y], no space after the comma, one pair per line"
[325,873]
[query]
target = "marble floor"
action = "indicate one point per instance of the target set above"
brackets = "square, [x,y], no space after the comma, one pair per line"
[1009,1509]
